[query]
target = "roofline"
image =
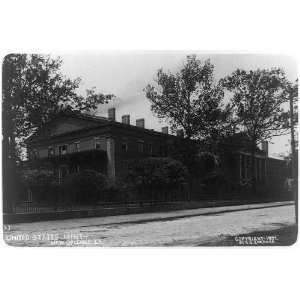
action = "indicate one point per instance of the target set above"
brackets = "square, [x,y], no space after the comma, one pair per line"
[109,123]
[73,114]
[260,154]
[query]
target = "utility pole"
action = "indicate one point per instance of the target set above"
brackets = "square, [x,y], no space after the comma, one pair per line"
[293,150]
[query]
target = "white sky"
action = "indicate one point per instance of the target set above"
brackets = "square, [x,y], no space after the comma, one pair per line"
[125,74]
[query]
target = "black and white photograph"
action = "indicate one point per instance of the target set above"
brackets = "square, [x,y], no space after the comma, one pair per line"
[149,149]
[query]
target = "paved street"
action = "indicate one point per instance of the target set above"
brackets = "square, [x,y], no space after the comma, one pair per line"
[177,228]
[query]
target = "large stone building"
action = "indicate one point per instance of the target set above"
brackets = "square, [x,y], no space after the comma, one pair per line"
[72,142]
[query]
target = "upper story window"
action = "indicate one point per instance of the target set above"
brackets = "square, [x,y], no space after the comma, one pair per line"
[62,149]
[140,146]
[97,143]
[243,166]
[34,154]
[162,150]
[124,147]
[77,146]
[50,151]
[150,148]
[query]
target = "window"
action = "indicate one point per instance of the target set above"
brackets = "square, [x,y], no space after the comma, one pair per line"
[77,146]
[243,166]
[162,150]
[124,147]
[62,149]
[259,169]
[62,172]
[97,144]
[35,154]
[248,167]
[50,151]
[140,146]
[150,148]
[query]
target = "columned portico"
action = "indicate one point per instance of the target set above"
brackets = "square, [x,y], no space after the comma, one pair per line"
[260,167]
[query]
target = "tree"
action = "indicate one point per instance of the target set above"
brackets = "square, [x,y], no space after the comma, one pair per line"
[257,99]
[291,118]
[34,90]
[191,100]
[193,155]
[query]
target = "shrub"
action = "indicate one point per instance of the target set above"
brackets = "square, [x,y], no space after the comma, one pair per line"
[38,177]
[42,183]
[86,185]
[194,156]
[186,151]
[207,163]
[159,173]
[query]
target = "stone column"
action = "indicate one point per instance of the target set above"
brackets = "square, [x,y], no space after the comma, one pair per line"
[246,166]
[240,167]
[110,150]
[266,171]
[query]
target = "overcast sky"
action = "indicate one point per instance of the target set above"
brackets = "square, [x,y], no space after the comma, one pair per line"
[125,74]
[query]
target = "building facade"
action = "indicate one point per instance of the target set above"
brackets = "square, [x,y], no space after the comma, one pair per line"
[72,142]
[75,141]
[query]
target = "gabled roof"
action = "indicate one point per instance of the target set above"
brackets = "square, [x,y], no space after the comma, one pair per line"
[87,122]
[80,121]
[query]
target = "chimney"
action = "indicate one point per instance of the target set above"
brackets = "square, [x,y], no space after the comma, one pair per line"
[165,130]
[180,133]
[126,119]
[140,123]
[265,147]
[112,114]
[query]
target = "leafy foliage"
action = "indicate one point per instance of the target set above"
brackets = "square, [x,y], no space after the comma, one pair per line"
[38,177]
[257,99]
[90,102]
[193,156]
[86,180]
[291,95]
[34,90]
[186,151]
[191,100]
[161,173]
[85,185]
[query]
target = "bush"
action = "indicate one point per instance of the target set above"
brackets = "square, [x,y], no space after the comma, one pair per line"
[158,173]
[85,186]
[207,163]
[38,177]
[42,184]
[118,191]
[186,151]
[198,161]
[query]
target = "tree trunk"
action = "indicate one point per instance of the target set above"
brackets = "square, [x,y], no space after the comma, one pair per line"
[252,167]
[294,170]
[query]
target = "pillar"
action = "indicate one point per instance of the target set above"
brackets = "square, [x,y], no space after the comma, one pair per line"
[110,150]
[240,167]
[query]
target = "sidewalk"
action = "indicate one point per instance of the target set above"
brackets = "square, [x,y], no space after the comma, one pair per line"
[142,217]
